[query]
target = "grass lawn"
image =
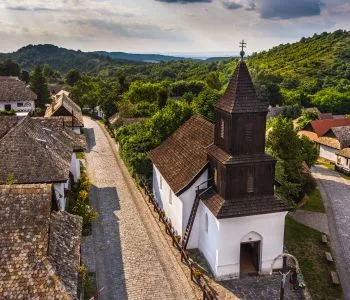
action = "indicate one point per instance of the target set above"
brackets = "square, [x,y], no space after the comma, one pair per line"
[306,244]
[89,286]
[314,202]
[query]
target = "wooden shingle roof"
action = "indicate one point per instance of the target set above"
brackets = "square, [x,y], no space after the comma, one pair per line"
[72,111]
[34,154]
[13,89]
[183,155]
[240,95]
[241,207]
[342,133]
[25,271]
[344,152]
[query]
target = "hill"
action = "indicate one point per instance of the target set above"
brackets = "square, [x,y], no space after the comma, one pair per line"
[154,58]
[60,59]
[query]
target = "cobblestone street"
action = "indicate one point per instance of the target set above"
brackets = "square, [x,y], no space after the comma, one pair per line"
[127,250]
[335,192]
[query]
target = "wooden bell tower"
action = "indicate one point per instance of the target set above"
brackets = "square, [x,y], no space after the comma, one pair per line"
[238,163]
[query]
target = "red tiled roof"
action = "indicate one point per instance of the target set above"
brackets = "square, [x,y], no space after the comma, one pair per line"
[183,155]
[321,127]
[240,95]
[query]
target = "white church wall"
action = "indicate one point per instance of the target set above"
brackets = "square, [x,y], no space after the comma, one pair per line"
[208,235]
[173,209]
[187,199]
[221,245]
[59,193]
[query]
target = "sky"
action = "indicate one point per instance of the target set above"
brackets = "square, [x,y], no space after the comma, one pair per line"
[167,26]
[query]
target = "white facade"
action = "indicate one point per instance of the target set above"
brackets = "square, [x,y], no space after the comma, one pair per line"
[75,167]
[220,240]
[343,162]
[328,153]
[18,106]
[59,193]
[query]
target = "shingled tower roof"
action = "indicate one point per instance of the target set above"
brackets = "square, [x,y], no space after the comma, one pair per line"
[240,95]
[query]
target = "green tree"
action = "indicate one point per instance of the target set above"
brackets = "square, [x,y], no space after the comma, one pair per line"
[204,104]
[213,81]
[9,68]
[72,77]
[38,84]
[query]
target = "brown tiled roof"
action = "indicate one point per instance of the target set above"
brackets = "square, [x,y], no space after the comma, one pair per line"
[64,134]
[15,90]
[183,155]
[25,271]
[225,158]
[344,152]
[6,123]
[342,133]
[33,154]
[61,100]
[321,127]
[240,95]
[328,141]
[64,248]
[312,136]
[241,207]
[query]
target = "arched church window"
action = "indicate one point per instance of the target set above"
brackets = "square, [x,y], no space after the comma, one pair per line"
[222,128]
[215,176]
[250,184]
[160,182]
[206,222]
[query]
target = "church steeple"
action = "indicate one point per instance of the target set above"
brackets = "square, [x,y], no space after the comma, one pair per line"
[240,118]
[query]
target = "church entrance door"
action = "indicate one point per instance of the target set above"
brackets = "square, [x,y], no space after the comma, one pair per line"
[250,258]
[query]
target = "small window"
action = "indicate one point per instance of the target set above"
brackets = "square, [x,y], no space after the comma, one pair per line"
[170,197]
[206,223]
[250,184]
[160,182]
[222,128]
[19,104]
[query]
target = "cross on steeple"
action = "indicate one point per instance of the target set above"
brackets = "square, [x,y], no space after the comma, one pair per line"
[242,45]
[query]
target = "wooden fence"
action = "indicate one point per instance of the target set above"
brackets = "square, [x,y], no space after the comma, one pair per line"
[196,274]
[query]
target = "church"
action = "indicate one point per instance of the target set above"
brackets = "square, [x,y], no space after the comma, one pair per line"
[216,184]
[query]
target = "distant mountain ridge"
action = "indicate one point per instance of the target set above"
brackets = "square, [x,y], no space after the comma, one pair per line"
[139,57]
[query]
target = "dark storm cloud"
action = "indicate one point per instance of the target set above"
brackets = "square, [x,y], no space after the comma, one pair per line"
[232,5]
[185,1]
[277,9]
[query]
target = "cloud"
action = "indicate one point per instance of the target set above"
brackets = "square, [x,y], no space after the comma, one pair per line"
[185,1]
[277,9]
[232,5]
[129,30]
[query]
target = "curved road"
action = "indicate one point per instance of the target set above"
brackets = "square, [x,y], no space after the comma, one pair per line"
[335,191]
[127,250]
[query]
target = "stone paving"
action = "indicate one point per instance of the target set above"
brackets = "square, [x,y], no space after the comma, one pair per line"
[335,191]
[127,250]
[315,220]
[261,287]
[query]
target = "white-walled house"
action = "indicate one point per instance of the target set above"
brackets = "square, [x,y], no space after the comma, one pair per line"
[343,161]
[48,150]
[65,108]
[220,175]
[16,95]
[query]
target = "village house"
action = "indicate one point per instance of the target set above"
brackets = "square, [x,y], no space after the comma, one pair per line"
[40,248]
[64,107]
[38,150]
[16,95]
[216,184]
[330,135]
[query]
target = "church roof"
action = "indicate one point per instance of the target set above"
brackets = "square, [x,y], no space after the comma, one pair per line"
[240,95]
[241,207]
[183,155]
